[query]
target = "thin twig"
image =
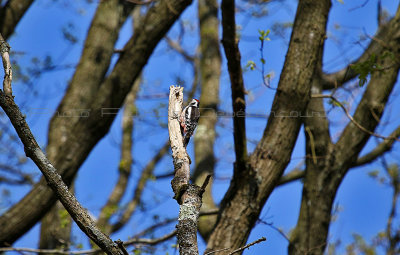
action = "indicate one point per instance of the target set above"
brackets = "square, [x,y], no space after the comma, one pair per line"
[262,239]
[178,48]
[312,144]
[352,119]
[121,246]
[140,2]
[206,181]
[62,252]
[212,252]
[359,6]
[150,241]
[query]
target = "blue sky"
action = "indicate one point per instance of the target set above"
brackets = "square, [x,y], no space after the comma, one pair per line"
[360,198]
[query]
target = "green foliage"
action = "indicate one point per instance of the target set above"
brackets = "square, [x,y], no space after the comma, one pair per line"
[123,165]
[110,210]
[373,174]
[137,251]
[64,218]
[394,172]
[359,246]
[250,64]
[264,35]
[335,103]
[363,69]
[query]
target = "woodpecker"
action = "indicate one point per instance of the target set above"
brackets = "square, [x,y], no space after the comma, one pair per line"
[188,120]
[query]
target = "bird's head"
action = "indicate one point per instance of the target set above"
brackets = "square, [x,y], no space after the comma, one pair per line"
[195,102]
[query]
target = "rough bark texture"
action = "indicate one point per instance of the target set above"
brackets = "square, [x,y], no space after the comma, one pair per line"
[53,179]
[11,14]
[252,185]
[84,134]
[210,71]
[326,170]
[187,195]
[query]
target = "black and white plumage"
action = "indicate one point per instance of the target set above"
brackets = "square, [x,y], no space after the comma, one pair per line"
[188,120]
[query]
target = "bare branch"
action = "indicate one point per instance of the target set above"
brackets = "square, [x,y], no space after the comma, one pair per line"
[293,175]
[121,246]
[230,42]
[54,180]
[151,241]
[11,14]
[262,239]
[380,149]
[69,150]
[178,48]
[63,252]
[358,125]
[337,79]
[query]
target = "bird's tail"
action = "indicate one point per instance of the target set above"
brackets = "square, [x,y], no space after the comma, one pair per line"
[186,139]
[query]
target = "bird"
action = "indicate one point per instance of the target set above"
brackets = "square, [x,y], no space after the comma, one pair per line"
[188,120]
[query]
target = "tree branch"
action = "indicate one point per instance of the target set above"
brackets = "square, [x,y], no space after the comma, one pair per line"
[79,139]
[187,195]
[63,252]
[293,175]
[11,14]
[379,150]
[230,42]
[239,249]
[54,180]
[337,79]
[358,125]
